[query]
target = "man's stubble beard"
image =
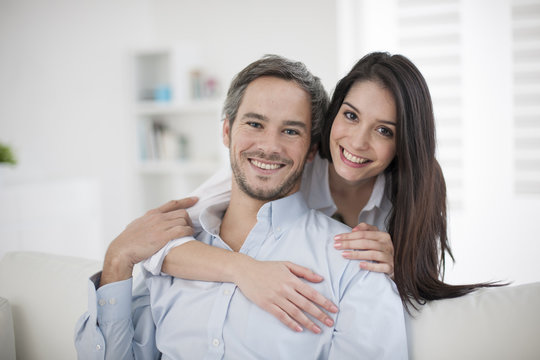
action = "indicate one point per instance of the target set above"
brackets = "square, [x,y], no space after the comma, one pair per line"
[279,191]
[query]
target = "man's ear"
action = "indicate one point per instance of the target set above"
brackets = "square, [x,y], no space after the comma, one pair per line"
[226,132]
[312,152]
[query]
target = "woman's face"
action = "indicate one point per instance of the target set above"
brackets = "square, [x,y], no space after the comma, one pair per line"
[363,135]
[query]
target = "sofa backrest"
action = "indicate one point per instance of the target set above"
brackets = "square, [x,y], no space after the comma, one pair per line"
[494,323]
[48,293]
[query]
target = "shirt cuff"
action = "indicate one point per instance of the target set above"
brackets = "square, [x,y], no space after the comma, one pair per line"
[154,263]
[113,301]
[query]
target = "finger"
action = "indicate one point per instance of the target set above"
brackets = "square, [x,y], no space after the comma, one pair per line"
[370,255]
[176,222]
[179,214]
[285,318]
[360,245]
[377,267]
[306,306]
[304,272]
[360,234]
[298,315]
[316,298]
[176,232]
[365,227]
[178,204]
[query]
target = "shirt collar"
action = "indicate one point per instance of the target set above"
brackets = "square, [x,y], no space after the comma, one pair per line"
[212,216]
[376,198]
[316,186]
[281,214]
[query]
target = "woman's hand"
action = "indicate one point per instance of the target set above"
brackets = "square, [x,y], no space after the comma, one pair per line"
[275,287]
[375,245]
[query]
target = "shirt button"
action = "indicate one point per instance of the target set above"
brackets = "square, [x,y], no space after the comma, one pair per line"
[102,302]
[226,292]
[98,347]
[215,342]
[112,301]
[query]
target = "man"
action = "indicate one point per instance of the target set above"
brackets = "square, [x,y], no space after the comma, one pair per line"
[268,130]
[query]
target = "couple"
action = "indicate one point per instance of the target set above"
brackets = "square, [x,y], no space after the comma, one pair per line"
[274,116]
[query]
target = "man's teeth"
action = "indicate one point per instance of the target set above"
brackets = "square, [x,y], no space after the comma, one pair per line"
[354,159]
[265,166]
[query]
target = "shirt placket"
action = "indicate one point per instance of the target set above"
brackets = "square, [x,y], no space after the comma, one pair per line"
[220,309]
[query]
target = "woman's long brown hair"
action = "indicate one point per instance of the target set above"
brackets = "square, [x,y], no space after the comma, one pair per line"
[417,222]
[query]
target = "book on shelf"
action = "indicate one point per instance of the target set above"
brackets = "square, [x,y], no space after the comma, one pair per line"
[159,142]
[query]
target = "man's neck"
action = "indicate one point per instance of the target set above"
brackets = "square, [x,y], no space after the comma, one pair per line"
[240,217]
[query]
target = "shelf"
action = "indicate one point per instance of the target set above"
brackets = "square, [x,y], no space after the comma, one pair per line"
[202,107]
[182,167]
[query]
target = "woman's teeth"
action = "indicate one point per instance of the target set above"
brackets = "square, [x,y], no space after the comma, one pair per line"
[354,159]
[265,166]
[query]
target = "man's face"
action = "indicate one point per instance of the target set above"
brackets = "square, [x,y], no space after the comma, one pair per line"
[270,138]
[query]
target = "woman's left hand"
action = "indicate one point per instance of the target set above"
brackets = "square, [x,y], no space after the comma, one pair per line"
[375,245]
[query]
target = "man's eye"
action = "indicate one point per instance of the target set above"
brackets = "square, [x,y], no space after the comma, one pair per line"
[254,124]
[291,132]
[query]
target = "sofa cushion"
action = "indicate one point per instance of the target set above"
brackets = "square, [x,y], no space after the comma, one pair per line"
[494,323]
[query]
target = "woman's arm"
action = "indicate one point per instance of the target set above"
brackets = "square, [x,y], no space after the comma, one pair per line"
[274,286]
[376,246]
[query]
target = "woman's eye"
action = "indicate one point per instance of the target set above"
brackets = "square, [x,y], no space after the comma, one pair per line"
[350,115]
[385,132]
[291,132]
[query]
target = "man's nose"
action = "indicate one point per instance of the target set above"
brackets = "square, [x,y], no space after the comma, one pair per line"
[270,142]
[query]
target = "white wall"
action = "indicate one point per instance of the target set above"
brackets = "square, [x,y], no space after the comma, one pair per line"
[65,100]
[63,109]
[493,232]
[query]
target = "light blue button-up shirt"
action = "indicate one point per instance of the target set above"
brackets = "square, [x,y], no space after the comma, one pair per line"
[184,319]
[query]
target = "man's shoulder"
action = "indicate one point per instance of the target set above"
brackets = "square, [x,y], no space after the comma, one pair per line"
[335,227]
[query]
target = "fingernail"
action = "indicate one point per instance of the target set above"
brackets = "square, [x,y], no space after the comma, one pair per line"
[337,245]
[337,237]
[316,329]
[329,322]
[333,308]
[346,254]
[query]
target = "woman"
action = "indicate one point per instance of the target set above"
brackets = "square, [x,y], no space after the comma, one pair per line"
[376,171]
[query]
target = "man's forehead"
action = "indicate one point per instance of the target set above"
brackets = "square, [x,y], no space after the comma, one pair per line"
[268,95]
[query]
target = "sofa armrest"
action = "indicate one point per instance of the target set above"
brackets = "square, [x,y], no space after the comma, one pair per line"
[7,336]
[47,294]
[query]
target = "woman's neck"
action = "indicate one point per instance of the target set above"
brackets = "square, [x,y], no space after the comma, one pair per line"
[350,198]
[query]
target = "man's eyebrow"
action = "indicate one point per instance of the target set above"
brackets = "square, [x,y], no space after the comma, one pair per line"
[252,115]
[295,123]
[379,120]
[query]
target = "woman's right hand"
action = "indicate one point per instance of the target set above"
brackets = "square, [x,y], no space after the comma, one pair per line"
[275,287]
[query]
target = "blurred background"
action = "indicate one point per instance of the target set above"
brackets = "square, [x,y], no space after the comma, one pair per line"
[113,107]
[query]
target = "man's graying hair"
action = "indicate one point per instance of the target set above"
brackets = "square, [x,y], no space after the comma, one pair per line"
[279,67]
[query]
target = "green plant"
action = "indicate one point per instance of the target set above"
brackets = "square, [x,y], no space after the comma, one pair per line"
[6,155]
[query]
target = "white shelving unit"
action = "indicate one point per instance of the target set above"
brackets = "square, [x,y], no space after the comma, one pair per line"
[177,110]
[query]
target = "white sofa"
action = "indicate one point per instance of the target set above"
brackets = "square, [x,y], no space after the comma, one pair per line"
[47,294]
